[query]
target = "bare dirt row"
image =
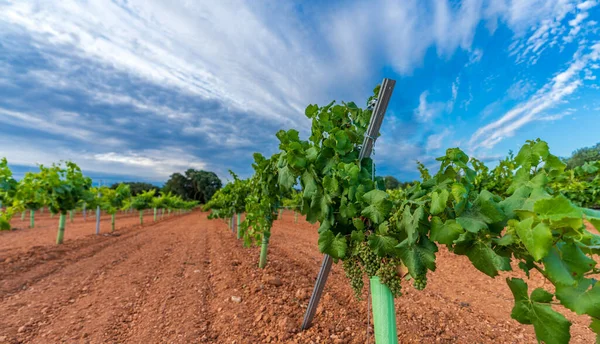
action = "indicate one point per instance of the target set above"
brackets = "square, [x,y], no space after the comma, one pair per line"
[186,279]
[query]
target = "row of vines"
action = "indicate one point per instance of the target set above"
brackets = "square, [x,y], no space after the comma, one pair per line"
[63,189]
[528,211]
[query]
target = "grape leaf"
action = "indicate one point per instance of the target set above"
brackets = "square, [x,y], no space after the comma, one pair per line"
[438,202]
[582,299]
[445,233]
[565,264]
[286,178]
[381,244]
[537,240]
[419,257]
[560,211]
[333,245]
[379,206]
[550,326]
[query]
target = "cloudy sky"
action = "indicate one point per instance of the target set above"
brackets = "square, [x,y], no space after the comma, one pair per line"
[138,89]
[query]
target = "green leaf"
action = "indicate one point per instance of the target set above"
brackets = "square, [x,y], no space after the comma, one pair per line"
[595,326]
[331,185]
[565,264]
[593,216]
[560,211]
[333,245]
[311,110]
[382,245]
[359,224]
[473,225]
[438,201]
[485,211]
[310,185]
[286,178]
[486,260]
[445,233]
[550,326]
[379,206]
[537,240]
[582,299]
[459,192]
[515,201]
[357,236]
[418,258]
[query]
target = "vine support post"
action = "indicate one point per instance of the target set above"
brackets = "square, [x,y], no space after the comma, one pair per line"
[264,247]
[97,220]
[61,228]
[383,99]
[384,313]
[239,233]
[31,218]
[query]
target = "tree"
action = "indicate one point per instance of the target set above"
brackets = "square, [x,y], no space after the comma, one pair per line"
[583,155]
[197,185]
[137,187]
[391,183]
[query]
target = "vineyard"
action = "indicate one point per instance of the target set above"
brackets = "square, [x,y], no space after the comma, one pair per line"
[450,257]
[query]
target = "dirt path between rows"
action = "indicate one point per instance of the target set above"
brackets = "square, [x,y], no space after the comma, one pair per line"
[186,279]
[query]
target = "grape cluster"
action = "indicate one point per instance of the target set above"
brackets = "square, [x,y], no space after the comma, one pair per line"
[420,282]
[370,260]
[388,275]
[354,272]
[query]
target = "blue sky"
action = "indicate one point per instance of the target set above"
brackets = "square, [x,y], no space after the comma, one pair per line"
[139,89]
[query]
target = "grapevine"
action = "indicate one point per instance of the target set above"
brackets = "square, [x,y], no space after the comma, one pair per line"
[528,210]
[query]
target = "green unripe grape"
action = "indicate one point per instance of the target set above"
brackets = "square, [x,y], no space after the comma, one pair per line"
[420,282]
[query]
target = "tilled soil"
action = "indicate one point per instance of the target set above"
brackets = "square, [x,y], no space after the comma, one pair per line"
[187,279]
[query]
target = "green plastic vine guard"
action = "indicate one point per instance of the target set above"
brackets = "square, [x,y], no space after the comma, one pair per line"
[31,218]
[61,229]
[22,216]
[263,251]
[141,217]
[71,216]
[384,313]
[155,213]
[239,233]
[112,222]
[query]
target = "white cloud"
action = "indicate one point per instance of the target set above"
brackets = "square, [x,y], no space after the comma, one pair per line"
[586,5]
[65,124]
[435,141]
[424,111]
[162,162]
[452,100]
[551,94]
[578,19]
[475,57]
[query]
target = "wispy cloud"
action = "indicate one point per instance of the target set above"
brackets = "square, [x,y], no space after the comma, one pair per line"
[435,141]
[452,100]
[115,82]
[426,111]
[551,94]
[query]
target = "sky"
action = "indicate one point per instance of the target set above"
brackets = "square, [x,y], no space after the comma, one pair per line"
[140,89]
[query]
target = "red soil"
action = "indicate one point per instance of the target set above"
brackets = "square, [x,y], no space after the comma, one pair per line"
[188,280]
